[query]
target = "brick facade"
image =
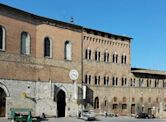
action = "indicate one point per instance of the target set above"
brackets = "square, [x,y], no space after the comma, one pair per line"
[102,60]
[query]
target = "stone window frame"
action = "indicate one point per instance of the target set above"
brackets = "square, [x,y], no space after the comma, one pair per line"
[48,47]
[68,50]
[115,57]
[141,82]
[25,43]
[3,48]
[96,103]
[114,81]
[106,80]
[88,79]
[97,55]
[123,58]
[106,56]
[115,106]
[149,83]
[164,83]
[124,106]
[133,82]
[115,99]
[124,99]
[133,99]
[105,103]
[156,83]
[88,54]
[97,80]
[124,81]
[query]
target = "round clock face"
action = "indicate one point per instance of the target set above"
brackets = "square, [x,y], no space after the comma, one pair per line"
[73,74]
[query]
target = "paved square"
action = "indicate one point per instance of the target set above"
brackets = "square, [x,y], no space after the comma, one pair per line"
[99,119]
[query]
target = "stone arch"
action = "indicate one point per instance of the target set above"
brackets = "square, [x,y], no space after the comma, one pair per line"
[3,94]
[61,103]
[61,88]
[61,98]
[5,89]
[96,103]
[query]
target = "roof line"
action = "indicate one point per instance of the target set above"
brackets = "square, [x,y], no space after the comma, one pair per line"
[57,21]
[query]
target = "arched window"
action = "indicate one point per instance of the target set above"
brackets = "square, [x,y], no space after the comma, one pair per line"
[124,81]
[68,50]
[88,54]
[115,58]
[115,99]
[116,61]
[47,47]
[97,55]
[114,81]
[105,103]
[156,83]
[2,38]
[25,43]
[124,99]
[87,79]
[123,59]
[106,56]
[96,103]
[106,81]
[133,99]
[132,83]
[97,80]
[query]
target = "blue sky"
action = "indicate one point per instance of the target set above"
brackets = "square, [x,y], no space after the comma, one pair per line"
[143,20]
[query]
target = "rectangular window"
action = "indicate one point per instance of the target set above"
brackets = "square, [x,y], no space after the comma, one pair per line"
[124,106]
[115,106]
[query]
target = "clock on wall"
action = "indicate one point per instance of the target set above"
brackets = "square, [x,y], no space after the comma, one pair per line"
[73,74]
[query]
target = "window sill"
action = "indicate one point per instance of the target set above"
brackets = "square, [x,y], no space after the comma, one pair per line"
[1,50]
[47,57]
[25,55]
[68,60]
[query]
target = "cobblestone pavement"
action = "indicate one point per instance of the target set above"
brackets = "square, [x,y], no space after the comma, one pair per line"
[99,119]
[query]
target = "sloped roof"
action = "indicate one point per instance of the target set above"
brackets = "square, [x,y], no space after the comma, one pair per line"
[148,71]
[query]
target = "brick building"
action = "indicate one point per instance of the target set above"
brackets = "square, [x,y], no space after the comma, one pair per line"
[38,53]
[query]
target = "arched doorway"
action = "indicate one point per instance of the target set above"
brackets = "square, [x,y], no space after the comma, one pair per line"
[2,102]
[96,103]
[61,103]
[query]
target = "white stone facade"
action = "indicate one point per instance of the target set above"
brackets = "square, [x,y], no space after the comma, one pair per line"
[40,97]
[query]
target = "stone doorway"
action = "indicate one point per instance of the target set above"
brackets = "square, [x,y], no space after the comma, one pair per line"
[2,102]
[61,103]
[150,111]
[132,108]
